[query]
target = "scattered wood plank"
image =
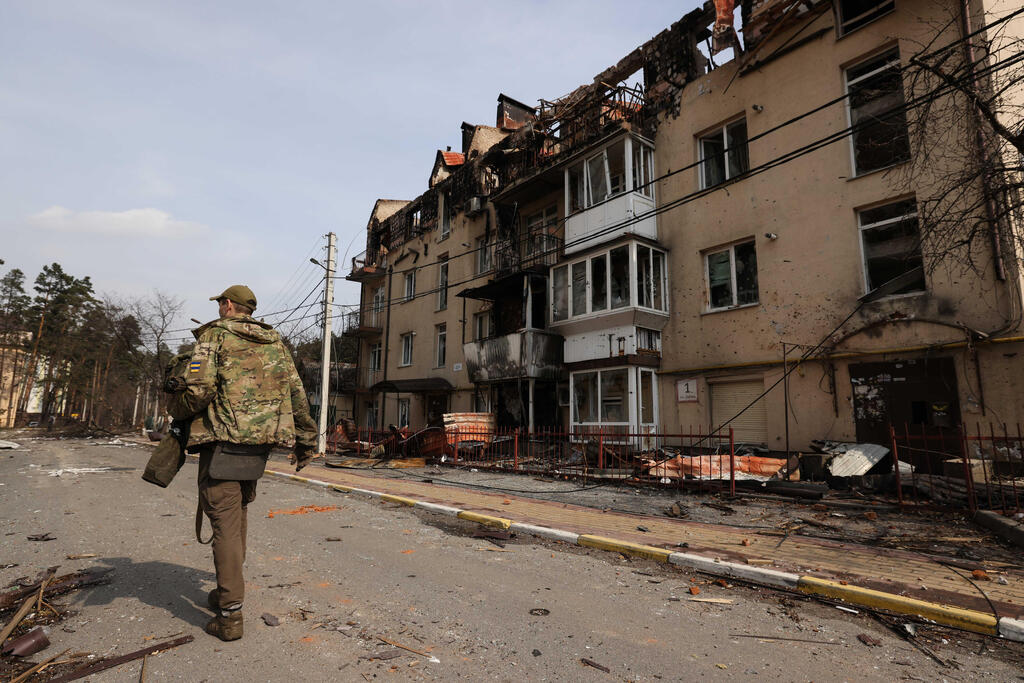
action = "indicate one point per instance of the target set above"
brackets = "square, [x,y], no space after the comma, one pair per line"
[105,664]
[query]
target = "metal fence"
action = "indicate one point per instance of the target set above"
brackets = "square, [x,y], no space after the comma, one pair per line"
[700,458]
[977,467]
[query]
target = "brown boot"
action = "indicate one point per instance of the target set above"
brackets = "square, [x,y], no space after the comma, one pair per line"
[213,599]
[226,628]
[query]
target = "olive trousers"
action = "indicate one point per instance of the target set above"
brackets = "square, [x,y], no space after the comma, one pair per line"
[225,503]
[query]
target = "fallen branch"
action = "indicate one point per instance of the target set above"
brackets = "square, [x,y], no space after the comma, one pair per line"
[57,586]
[105,664]
[25,675]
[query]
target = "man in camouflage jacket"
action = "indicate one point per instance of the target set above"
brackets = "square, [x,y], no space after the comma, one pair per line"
[244,397]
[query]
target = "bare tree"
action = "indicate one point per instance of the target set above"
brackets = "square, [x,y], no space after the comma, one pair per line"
[965,88]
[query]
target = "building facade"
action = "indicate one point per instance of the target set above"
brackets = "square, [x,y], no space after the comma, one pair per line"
[701,238]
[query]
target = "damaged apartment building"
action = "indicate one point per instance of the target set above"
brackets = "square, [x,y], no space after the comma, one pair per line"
[650,252]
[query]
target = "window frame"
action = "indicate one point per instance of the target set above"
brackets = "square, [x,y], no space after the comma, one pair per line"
[484,262]
[446,215]
[633,269]
[409,286]
[481,316]
[894,61]
[404,406]
[440,345]
[376,354]
[731,249]
[722,130]
[407,341]
[841,22]
[442,283]
[862,228]
[581,168]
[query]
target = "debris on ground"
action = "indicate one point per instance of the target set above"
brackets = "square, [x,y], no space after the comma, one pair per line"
[270,619]
[303,510]
[431,658]
[592,663]
[42,537]
[9,445]
[870,641]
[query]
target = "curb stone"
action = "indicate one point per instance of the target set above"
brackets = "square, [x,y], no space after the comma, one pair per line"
[968,620]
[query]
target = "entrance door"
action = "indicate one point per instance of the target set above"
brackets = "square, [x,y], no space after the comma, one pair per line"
[920,393]
[437,406]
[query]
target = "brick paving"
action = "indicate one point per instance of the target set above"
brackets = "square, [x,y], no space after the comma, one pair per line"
[926,577]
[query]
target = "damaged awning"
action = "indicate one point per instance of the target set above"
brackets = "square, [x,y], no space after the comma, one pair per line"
[500,288]
[425,385]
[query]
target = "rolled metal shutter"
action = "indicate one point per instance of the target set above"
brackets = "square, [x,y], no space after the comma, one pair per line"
[729,398]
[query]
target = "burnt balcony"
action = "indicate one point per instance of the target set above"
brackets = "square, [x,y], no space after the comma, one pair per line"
[360,323]
[368,265]
[533,251]
[521,355]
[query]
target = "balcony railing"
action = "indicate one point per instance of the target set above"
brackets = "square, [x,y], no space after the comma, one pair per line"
[533,249]
[367,377]
[366,265]
[362,322]
[525,354]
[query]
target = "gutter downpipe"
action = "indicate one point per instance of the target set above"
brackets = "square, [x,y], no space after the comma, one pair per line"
[387,346]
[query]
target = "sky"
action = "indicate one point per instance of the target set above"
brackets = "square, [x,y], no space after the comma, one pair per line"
[187,146]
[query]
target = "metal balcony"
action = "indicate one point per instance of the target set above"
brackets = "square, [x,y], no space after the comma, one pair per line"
[521,355]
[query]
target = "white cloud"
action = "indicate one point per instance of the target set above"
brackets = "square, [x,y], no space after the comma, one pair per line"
[129,223]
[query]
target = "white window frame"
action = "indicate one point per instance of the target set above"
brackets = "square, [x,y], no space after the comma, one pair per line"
[376,351]
[442,284]
[440,345]
[409,288]
[653,335]
[478,320]
[407,342]
[634,295]
[629,143]
[404,409]
[896,61]
[862,228]
[731,248]
[722,130]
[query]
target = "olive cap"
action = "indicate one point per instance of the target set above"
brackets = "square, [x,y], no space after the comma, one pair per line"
[240,294]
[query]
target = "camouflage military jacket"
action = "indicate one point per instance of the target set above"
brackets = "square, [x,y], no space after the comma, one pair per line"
[242,387]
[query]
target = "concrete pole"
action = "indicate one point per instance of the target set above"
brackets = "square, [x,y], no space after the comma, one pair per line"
[325,352]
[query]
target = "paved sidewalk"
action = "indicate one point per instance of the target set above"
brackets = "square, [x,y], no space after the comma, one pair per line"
[925,577]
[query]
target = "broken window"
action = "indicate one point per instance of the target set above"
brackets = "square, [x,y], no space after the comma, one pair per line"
[643,168]
[416,221]
[620,276]
[732,276]
[616,159]
[441,344]
[646,397]
[648,340]
[403,412]
[599,283]
[483,325]
[579,288]
[597,180]
[410,285]
[584,389]
[614,393]
[723,154]
[407,349]
[483,255]
[371,414]
[442,284]
[560,293]
[603,175]
[856,13]
[879,136]
[892,245]
[446,214]
[650,287]
[576,189]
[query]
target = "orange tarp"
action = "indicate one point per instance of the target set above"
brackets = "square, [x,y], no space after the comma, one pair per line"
[714,466]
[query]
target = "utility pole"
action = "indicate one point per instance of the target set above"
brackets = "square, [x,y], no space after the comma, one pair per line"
[325,352]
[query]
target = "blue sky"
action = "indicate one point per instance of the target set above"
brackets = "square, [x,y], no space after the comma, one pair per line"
[184,146]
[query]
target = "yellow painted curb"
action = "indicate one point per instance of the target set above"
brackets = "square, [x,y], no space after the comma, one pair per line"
[602,543]
[398,499]
[969,620]
[486,520]
[343,489]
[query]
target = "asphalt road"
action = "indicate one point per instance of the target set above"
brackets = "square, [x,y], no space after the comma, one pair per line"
[339,579]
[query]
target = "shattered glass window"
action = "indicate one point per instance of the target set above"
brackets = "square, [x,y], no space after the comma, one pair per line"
[746,274]
[643,168]
[892,246]
[856,13]
[736,141]
[879,122]
[720,279]
[560,293]
[644,277]
[598,181]
[617,168]
[658,281]
[599,283]
[584,389]
[576,189]
[614,393]
[620,276]
[712,152]
[723,154]
[646,397]
[579,288]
